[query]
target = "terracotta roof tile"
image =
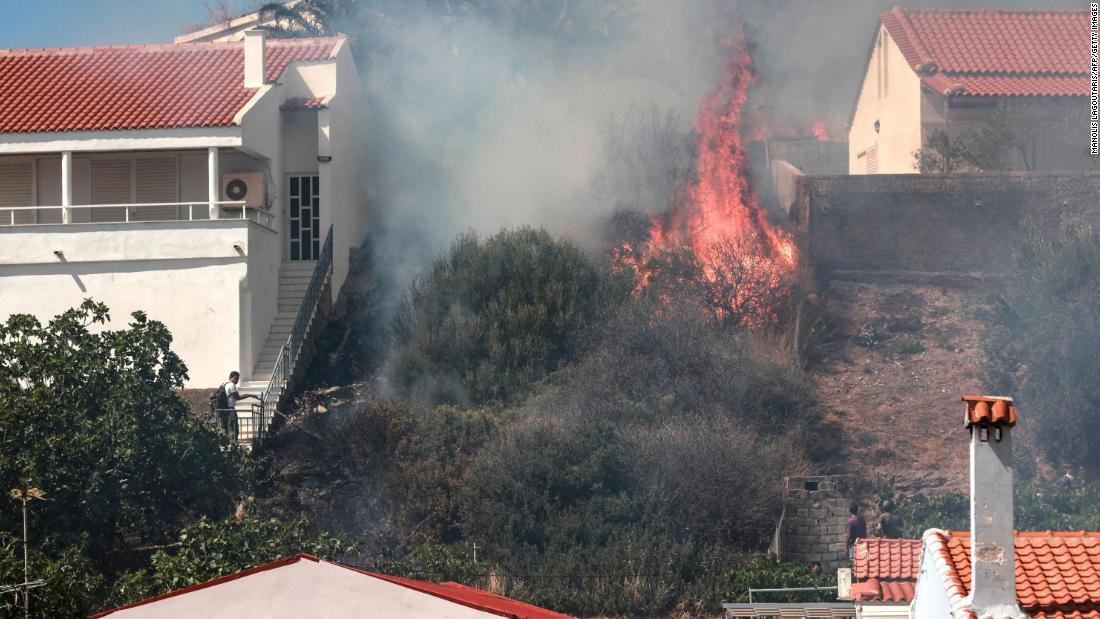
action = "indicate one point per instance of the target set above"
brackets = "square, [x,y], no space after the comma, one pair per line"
[136,87]
[900,591]
[1057,573]
[989,410]
[985,52]
[878,557]
[889,568]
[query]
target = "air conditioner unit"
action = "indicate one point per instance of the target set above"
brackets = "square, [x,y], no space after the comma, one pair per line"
[247,187]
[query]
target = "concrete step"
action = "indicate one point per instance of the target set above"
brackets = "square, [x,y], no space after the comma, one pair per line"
[294,281]
[297,265]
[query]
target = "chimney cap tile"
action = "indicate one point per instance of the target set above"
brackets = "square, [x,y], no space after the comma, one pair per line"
[989,410]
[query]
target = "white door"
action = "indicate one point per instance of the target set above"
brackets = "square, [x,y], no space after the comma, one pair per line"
[305,220]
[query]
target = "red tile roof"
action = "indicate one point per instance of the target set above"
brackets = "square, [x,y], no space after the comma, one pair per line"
[453,592]
[874,590]
[879,557]
[137,87]
[1057,574]
[995,52]
[889,568]
[989,410]
[475,598]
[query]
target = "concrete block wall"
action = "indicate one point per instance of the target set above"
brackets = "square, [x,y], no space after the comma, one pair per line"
[959,223]
[815,510]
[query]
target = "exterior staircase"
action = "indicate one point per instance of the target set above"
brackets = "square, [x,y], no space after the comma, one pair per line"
[301,285]
[293,280]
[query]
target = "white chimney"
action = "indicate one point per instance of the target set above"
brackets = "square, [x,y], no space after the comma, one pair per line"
[992,536]
[255,65]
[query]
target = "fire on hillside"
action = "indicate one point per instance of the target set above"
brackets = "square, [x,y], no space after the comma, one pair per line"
[716,223]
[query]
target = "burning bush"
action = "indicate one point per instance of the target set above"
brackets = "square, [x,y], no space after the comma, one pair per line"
[491,318]
[714,242]
[736,286]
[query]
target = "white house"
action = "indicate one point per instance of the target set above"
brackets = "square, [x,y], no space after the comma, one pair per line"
[305,586]
[950,70]
[195,181]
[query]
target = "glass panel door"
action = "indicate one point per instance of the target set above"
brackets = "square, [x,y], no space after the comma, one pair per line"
[304,219]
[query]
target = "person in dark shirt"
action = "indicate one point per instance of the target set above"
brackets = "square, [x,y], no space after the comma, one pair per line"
[856,527]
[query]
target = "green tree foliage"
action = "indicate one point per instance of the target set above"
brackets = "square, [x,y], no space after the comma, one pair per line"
[1009,136]
[492,317]
[1039,506]
[1043,339]
[72,584]
[209,549]
[92,416]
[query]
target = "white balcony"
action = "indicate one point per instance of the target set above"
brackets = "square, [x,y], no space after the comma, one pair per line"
[84,214]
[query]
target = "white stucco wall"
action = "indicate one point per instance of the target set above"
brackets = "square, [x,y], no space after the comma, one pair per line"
[259,295]
[347,141]
[930,601]
[891,94]
[185,274]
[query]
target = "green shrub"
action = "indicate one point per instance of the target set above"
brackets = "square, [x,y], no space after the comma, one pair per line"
[492,317]
[1038,507]
[1043,341]
[210,549]
[72,585]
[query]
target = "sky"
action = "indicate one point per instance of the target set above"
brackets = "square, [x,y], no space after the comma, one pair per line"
[64,23]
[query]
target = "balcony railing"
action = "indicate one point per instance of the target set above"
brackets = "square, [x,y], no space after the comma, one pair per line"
[140,212]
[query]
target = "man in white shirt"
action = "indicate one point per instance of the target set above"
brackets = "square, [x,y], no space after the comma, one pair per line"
[233,395]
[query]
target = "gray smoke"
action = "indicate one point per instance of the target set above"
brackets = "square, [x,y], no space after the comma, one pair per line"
[500,116]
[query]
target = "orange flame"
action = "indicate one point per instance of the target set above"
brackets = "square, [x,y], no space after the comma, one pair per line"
[718,218]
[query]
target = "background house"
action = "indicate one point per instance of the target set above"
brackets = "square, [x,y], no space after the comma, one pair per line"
[952,70]
[196,182]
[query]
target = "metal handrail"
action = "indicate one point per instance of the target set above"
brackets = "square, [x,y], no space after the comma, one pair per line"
[288,355]
[261,214]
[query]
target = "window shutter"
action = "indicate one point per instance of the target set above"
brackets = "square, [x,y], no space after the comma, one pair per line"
[16,190]
[871,160]
[157,181]
[110,185]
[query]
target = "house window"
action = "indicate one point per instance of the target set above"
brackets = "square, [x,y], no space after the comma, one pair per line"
[111,181]
[134,180]
[156,181]
[870,160]
[16,189]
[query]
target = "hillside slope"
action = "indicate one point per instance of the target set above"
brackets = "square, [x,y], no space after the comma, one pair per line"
[891,365]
